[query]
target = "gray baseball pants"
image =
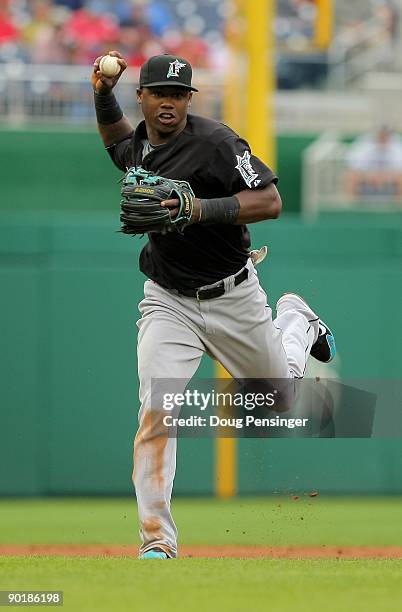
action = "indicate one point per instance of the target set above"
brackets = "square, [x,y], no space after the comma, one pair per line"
[237,329]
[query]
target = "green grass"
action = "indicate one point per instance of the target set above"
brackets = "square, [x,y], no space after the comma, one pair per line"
[102,584]
[120,584]
[261,521]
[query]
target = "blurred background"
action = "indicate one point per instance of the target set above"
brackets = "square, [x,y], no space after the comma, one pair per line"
[315,86]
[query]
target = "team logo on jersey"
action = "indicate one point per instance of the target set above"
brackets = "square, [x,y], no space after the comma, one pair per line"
[174,69]
[246,170]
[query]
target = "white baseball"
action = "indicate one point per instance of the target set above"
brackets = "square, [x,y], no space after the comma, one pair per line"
[109,66]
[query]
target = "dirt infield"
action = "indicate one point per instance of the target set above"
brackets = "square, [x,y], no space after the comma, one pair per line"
[243,552]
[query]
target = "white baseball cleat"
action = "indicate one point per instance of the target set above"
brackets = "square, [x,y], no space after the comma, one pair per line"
[324,348]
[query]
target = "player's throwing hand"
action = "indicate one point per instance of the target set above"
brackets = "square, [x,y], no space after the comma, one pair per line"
[101,83]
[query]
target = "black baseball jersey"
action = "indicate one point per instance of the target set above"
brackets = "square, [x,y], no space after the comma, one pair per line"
[217,163]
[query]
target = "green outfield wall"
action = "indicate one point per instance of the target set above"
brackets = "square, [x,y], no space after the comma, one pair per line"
[69,292]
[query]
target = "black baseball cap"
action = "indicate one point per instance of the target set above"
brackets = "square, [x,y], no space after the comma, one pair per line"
[166,70]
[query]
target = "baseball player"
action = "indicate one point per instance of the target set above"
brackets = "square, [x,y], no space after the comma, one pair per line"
[202,293]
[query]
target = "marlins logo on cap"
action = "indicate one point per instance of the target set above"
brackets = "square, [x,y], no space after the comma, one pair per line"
[174,68]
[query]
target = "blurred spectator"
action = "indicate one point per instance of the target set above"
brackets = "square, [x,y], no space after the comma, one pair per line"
[11,49]
[137,37]
[387,18]
[43,35]
[89,34]
[9,32]
[159,17]
[137,44]
[188,45]
[131,45]
[375,164]
[387,13]
[155,14]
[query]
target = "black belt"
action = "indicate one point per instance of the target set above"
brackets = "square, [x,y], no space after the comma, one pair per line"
[216,290]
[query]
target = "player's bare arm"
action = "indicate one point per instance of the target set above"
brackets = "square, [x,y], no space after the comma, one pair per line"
[259,204]
[103,86]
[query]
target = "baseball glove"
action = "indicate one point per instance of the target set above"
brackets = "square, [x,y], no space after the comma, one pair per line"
[141,211]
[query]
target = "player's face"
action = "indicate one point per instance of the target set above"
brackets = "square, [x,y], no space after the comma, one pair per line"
[165,110]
